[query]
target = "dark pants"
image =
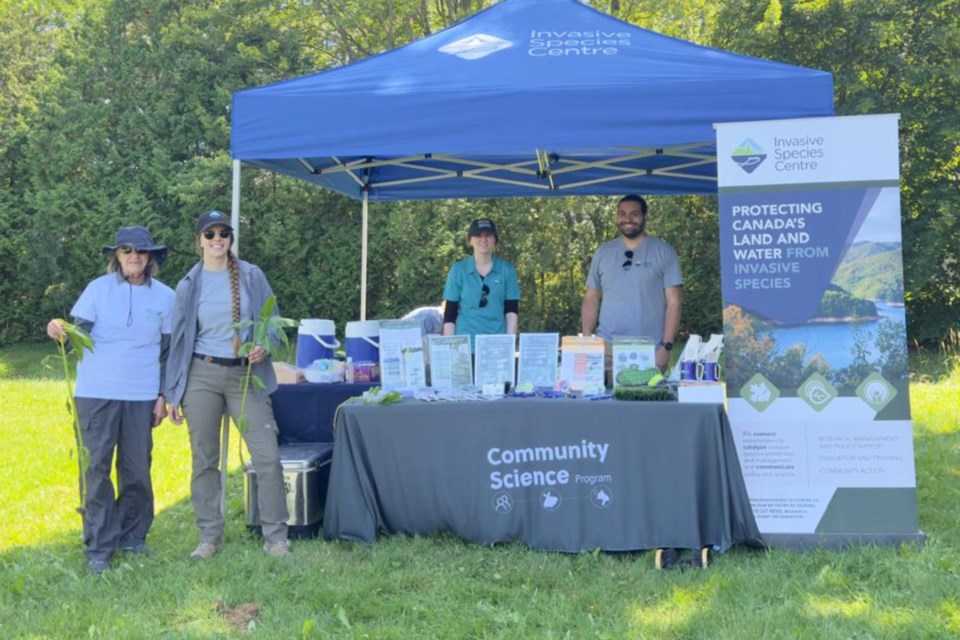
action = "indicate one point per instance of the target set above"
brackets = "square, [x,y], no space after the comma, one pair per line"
[111,522]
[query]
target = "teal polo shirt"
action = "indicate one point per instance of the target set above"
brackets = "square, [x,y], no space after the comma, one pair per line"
[464,285]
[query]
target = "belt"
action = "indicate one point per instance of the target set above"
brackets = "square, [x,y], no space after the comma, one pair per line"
[223,362]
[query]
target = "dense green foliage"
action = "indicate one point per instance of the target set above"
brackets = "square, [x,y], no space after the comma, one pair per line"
[117,112]
[872,270]
[837,303]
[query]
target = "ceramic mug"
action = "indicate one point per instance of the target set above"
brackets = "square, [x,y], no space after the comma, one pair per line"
[689,370]
[709,371]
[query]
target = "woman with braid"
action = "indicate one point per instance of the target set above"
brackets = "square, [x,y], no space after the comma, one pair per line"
[205,375]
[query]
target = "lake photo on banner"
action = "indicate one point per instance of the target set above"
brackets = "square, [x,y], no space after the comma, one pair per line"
[835,341]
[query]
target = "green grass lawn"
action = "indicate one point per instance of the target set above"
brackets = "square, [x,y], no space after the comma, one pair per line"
[439,586]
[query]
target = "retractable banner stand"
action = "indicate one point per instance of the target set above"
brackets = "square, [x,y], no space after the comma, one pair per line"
[815,330]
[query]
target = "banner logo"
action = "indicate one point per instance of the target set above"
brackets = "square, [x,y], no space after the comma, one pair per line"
[477,46]
[817,392]
[749,155]
[759,392]
[876,391]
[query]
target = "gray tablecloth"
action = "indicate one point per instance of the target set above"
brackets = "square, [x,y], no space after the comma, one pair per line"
[564,475]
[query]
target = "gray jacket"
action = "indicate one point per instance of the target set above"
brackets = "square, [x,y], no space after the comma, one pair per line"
[184,334]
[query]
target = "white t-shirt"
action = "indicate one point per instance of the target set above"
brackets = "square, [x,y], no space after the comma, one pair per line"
[127,323]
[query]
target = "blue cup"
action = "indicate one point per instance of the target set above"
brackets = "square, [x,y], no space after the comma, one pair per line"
[710,371]
[688,370]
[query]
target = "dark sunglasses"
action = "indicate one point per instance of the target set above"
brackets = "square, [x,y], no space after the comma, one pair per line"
[128,250]
[629,261]
[223,233]
[484,291]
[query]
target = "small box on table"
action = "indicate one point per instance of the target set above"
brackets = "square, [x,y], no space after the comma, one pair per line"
[704,392]
[287,373]
[306,472]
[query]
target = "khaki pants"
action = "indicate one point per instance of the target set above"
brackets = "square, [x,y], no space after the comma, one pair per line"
[211,388]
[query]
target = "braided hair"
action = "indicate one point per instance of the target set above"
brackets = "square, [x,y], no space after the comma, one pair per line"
[235,296]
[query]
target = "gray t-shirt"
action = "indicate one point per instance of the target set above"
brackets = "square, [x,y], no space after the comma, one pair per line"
[633,302]
[215,315]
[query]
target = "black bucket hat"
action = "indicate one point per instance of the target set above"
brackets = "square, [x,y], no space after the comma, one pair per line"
[138,238]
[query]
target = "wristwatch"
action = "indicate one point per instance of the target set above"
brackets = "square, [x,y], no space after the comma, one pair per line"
[666,345]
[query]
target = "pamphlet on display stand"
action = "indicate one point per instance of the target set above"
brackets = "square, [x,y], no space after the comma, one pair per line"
[538,359]
[581,362]
[495,359]
[450,363]
[633,352]
[401,355]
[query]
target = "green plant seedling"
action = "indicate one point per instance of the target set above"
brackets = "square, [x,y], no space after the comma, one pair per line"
[69,358]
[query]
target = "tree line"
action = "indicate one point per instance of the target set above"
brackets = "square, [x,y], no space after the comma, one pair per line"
[116,112]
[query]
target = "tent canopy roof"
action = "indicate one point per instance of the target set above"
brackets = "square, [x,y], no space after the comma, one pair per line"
[529,97]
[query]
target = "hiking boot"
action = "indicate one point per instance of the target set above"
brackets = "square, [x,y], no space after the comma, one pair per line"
[137,549]
[205,550]
[665,558]
[700,558]
[277,549]
[97,567]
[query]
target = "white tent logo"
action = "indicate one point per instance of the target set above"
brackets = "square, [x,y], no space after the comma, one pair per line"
[476,46]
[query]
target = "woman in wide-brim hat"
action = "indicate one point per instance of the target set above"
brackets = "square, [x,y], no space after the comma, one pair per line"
[118,393]
[205,376]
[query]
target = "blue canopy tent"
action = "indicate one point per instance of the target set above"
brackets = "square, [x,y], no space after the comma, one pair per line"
[526,98]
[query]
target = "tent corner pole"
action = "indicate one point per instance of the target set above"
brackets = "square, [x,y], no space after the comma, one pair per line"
[235,208]
[363,256]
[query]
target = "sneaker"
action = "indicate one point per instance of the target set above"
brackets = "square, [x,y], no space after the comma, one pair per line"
[98,566]
[205,550]
[277,549]
[700,558]
[665,558]
[137,549]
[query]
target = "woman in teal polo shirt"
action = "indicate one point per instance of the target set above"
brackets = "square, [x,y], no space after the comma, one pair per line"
[482,293]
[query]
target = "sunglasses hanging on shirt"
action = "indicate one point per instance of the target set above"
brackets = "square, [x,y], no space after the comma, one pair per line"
[484,291]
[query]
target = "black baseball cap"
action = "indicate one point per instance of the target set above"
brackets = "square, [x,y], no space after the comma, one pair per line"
[212,219]
[481,226]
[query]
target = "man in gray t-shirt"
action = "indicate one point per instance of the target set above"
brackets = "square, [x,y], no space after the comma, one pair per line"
[634,285]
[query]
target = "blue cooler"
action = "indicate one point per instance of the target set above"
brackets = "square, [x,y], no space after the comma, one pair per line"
[316,340]
[363,341]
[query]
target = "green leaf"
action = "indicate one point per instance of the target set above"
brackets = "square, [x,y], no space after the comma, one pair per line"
[342,616]
[307,629]
[245,349]
[241,325]
[78,337]
[257,382]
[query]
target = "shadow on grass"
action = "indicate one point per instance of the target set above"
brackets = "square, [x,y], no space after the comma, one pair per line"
[26,361]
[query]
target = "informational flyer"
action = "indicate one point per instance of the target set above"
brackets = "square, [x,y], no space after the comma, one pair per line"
[581,362]
[451,366]
[632,352]
[401,355]
[495,359]
[538,359]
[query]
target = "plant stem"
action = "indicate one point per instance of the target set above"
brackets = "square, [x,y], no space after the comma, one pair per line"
[241,425]
[75,423]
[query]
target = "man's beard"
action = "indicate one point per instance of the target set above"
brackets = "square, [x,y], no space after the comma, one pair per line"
[636,233]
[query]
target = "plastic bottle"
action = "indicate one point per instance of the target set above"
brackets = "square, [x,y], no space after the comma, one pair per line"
[349,371]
